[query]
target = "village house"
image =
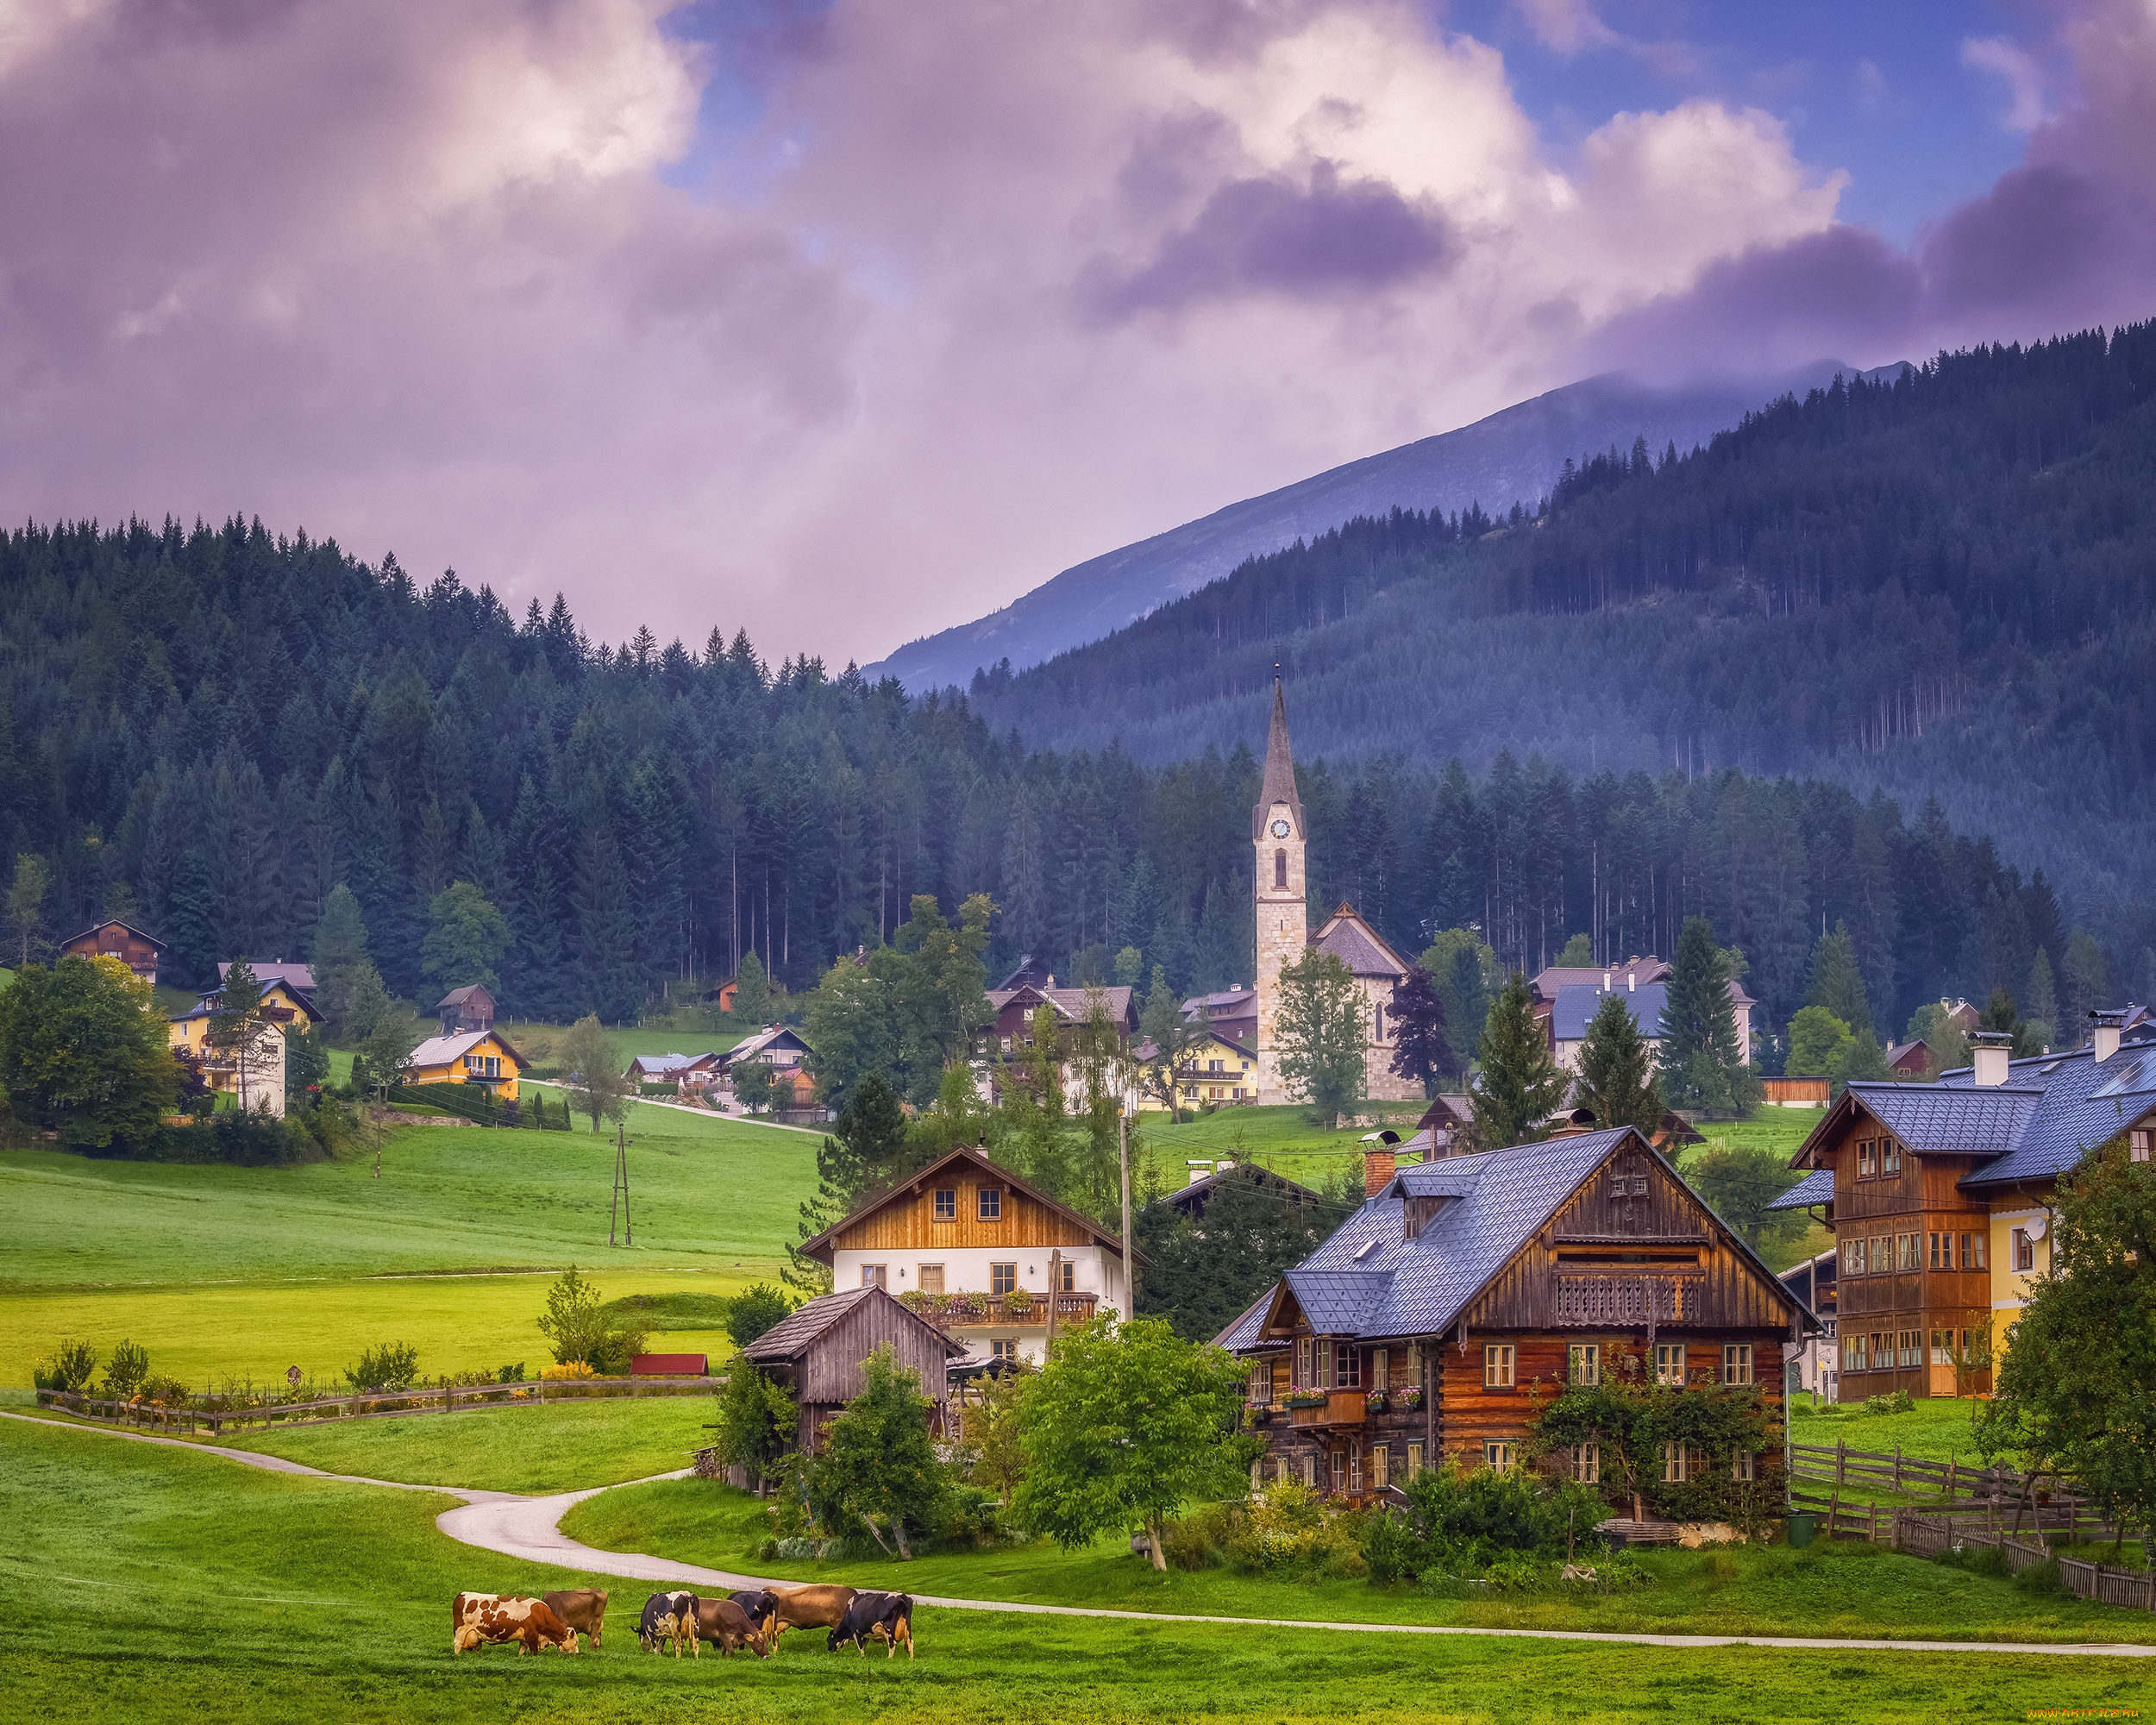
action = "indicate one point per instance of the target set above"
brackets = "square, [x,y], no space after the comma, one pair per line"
[482,1058]
[1566,996]
[1433,1321]
[471,1007]
[980,1254]
[112,939]
[1008,1036]
[1215,1071]
[298,975]
[1941,1197]
[286,1006]
[1818,1357]
[1232,1012]
[681,1072]
[817,1353]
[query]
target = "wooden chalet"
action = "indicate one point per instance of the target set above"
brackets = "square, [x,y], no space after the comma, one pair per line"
[1190,1199]
[112,939]
[1420,1330]
[468,1008]
[816,1352]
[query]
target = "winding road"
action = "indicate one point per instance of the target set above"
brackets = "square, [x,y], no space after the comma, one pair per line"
[528,1527]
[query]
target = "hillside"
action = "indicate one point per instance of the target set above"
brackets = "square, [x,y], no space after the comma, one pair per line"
[1512,455]
[1939,585]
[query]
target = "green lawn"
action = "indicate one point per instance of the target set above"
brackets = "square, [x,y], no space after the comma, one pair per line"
[1935,1430]
[158,1583]
[1280,1138]
[1832,1588]
[538,1040]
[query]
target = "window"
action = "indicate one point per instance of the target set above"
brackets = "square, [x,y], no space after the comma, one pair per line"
[1583,1363]
[1310,1473]
[991,1204]
[1414,1459]
[1736,1362]
[947,1205]
[1912,1348]
[1339,1469]
[1003,1278]
[1905,1250]
[1497,1365]
[873,1275]
[1355,1468]
[2137,1148]
[1381,1467]
[1946,1241]
[1005,1350]
[1853,1254]
[1262,1383]
[931,1279]
[1378,1022]
[1677,1464]
[2024,1251]
[1280,871]
[1669,1363]
[1890,1156]
[1414,1366]
[1302,1363]
[1866,1166]
[1882,1253]
[1942,1347]
[1497,1454]
[1347,1367]
[1853,1357]
[1381,1369]
[1257,1472]
[1587,1463]
[1744,1465]
[1067,1276]
[1321,1357]
[1883,1351]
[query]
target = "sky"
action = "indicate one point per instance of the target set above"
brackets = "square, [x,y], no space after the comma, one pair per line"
[843,321]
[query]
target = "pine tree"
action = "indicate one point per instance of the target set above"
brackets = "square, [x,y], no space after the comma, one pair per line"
[2043,999]
[1617,1076]
[1521,1086]
[1837,983]
[608,976]
[1700,1065]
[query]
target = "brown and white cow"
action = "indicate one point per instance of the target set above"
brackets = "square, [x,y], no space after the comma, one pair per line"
[726,1626]
[808,1608]
[580,1607]
[481,1620]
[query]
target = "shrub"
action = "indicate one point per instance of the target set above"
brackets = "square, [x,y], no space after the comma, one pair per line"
[1018,1303]
[126,1370]
[1464,1521]
[71,1367]
[753,1313]
[567,1371]
[965,1518]
[1899,1401]
[1289,1530]
[510,1374]
[167,1392]
[1389,1547]
[1199,1540]
[387,1366]
[578,1326]
[2042,1580]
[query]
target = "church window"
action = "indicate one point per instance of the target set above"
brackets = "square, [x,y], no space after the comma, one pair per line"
[1280,870]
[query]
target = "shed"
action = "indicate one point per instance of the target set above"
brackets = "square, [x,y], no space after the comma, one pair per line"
[1798,1093]
[816,1352]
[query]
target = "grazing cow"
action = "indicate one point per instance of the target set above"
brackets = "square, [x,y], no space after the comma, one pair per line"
[481,1620]
[885,1617]
[760,1605]
[726,1626]
[808,1608]
[669,1618]
[580,1607]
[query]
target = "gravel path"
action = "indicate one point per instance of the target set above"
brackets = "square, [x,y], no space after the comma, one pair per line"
[528,1527]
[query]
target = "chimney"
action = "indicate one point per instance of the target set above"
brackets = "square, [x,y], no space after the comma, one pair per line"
[1632,981]
[1377,1169]
[2103,1032]
[1989,1051]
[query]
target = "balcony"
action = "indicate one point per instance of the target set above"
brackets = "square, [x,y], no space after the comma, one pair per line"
[1342,1407]
[1604,1300]
[993,1311]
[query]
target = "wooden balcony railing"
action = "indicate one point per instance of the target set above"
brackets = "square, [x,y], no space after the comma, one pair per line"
[1342,1407]
[989,1310]
[1620,1301]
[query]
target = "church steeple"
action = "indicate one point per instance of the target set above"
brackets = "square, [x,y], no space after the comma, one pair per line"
[1279,783]
[1278,838]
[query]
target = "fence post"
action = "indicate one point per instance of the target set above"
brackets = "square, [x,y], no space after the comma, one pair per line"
[1952,1472]
[1897,1464]
[1833,1510]
[1841,1462]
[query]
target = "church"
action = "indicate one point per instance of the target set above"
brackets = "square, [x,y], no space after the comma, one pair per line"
[1279,838]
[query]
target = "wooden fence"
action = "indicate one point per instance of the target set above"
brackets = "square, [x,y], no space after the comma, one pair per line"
[372,1404]
[1898,1472]
[1928,1535]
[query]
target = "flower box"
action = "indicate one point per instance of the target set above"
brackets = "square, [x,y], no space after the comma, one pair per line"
[1410,1400]
[1377,1401]
[1306,1398]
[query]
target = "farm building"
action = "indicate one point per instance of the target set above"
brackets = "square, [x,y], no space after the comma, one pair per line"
[468,1008]
[816,1352]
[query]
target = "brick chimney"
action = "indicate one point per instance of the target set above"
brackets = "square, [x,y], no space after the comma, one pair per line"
[1377,1169]
[2103,1032]
[1988,1051]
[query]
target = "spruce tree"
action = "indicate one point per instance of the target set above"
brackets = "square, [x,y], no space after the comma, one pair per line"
[1700,1069]
[1521,1086]
[1837,983]
[2043,998]
[1617,1077]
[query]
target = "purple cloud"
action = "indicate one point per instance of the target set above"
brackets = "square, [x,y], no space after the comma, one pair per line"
[1270,236]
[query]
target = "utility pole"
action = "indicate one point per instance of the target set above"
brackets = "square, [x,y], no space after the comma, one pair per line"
[1130,1263]
[620,1212]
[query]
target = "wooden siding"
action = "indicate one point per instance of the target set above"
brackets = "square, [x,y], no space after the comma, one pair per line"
[830,1374]
[909,1224]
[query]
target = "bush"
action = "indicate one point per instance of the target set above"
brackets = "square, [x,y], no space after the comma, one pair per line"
[1199,1540]
[128,1369]
[1464,1521]
[567,1371]
[510,1374]
[1289,1530]
[753,1314]
[387,1366]
[2042,1581]
[967,1518]
[1901,1401]
[167,1392]
[578,1326]
[70,1367]
[238,1140]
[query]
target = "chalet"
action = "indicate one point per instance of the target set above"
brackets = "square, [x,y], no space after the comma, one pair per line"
[285,1005]
[681,1071]
[1215,1071]
[481,1058]
[1422,1329]
[1450,1123]
[1010,1025]
[776,1046]
[1941,1197]
[817,1353]
[1031,973]
[300,976]
[1231,1012]
[471,1007]
[983,1256]
[1567,995]
[112,939]
[1818,1357]
[1911,1059]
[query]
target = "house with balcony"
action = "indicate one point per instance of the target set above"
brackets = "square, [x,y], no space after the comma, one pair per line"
[139,951]
[989,1259]
[482,1059]
[1941,1197]
[1464,1291]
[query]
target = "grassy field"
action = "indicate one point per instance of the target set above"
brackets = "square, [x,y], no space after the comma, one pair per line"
[1841,1589]
[538,1040]
[1935,1430]
[230,1270]
[294,1600]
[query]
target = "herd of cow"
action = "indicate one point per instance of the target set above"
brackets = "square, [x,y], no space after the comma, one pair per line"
[754,1618]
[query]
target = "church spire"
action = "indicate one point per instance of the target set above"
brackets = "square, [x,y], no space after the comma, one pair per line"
[1279,783]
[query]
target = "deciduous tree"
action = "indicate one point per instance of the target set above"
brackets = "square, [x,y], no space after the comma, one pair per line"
[1421,1050]
[466,939]
[81,1054]
[594,1075]
[1323,1034]
[877,1467]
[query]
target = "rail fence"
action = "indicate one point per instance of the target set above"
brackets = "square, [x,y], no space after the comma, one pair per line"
[370,1404]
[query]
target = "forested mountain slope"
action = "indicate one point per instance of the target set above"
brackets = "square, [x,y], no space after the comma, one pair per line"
[206,730]
[1511,455]
[1942,585]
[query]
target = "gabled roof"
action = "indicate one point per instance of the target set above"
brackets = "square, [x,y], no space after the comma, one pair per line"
[1279,783]
[1369,1281]
[1069,1005]
[763,1039]
[1641,971]
[115,922]
[299,976]
[457,997]
[1193,1196]
[1577,1002]
[913,1185]
[1815,1188]
[439,1050]
[795,1335]
[1352,940]
[671,1062]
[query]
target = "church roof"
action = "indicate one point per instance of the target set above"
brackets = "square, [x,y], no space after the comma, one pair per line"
[1278,784]
[1359,946]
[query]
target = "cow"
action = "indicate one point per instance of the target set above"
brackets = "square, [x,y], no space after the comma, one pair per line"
[580,1607]
[807,1608]
[760,1605]
[726,1626]
[480,1620]
[669,1618]
[887,1616]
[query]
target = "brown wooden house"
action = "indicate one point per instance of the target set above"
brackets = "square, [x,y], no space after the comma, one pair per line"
[1420,1332]
[468,1008]
[113,938]
[816,1352]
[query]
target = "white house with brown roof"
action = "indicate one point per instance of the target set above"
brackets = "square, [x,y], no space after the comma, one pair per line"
[977,1251]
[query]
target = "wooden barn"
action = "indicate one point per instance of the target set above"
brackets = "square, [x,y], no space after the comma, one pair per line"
[1467,1291]
[816,1352]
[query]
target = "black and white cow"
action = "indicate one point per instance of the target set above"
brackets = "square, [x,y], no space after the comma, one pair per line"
[885,1617]
[669,1618]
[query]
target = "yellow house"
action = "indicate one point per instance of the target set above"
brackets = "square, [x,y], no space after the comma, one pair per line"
[1216,1070]
[472,1056]
[188,1032]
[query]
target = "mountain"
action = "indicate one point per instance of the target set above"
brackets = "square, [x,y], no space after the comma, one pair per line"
[1943,585]
[1513,455]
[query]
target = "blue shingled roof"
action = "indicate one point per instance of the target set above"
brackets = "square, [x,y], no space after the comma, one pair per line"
[1577,1002]
[1815,1188]
[1930,1118]
[2069,1117]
